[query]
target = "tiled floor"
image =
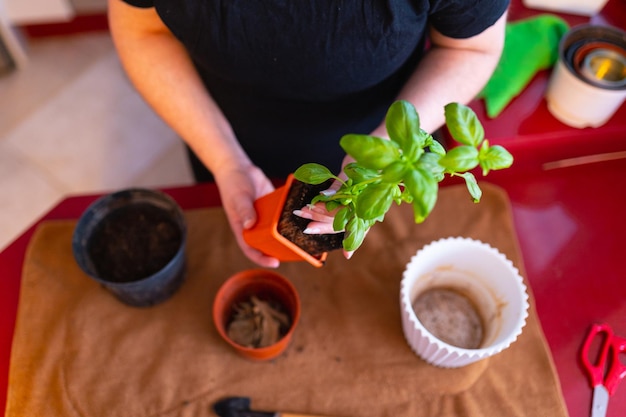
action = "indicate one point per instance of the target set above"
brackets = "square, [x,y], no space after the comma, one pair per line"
[70,123]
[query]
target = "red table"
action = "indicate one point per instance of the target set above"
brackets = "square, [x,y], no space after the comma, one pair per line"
[569,221]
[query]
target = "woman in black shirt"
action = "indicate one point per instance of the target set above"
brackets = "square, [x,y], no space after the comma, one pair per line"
[258,87]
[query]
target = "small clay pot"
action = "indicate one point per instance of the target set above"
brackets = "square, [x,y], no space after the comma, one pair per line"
[278,232]
[266,285]
[133,243]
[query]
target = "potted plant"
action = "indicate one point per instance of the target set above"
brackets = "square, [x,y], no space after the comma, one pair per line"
[278,232]
[407,168]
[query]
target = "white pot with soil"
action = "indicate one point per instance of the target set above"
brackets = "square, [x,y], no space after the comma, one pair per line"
[461,301]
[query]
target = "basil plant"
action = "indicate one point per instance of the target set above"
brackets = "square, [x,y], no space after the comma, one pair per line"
[406,168]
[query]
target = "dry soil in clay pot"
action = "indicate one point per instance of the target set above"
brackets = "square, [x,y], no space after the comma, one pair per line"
[258,322]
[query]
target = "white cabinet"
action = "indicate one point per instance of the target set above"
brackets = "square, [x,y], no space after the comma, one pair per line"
[21,12]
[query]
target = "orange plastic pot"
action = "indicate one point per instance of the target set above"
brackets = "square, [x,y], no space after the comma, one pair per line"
[265,284]
[265,237]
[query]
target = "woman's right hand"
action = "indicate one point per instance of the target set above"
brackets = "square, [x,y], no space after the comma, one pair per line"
[239,188]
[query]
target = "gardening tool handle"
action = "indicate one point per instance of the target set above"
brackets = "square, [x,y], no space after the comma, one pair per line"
[298,415]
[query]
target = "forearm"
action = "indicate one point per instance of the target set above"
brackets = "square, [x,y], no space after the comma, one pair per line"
[446,76]
[162,72]
[452,71]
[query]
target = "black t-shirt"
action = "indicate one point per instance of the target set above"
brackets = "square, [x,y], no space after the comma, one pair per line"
[293,76]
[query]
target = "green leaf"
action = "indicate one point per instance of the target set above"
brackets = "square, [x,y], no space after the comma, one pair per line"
[435,147]
[394,172]
[358,173]
[459,159]
[341,219]
[429,162]
[403,127]
[333,204]
[369,151]
[423,188]
[374,201]
[494,157]
[356,229]
[313,174]
[405,197]
[472,186]
[464,125]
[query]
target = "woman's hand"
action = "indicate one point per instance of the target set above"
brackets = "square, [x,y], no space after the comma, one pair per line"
[322,219]
[322,222]
[239,188]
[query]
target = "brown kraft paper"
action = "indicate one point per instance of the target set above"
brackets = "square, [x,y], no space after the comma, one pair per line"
[78,351]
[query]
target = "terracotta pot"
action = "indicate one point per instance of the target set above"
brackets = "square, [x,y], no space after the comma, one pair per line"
[266,285]
[265,236]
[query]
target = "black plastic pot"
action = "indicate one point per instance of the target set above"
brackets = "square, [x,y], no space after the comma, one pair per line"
[133,242]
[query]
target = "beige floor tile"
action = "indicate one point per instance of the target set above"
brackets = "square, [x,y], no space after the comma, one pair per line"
[96,134]
[26,192]
[171,170]
[53,64]
[71,123]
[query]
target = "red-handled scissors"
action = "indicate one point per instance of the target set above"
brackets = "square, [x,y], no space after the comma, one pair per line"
[606,371]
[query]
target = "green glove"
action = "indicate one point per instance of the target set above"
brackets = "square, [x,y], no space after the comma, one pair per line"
[530,45]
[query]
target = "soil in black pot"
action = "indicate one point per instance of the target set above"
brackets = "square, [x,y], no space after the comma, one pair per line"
[450,316]
[133,242]
[291,226]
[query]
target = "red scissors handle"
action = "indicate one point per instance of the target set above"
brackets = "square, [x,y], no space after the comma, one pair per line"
[607,369]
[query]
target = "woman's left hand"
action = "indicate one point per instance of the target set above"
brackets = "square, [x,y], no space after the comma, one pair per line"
[322,220]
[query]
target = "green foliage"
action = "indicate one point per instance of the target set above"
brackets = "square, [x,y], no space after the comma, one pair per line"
[407,168]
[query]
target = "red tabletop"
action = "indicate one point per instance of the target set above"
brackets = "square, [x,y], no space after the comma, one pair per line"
[569,223]
[567,190]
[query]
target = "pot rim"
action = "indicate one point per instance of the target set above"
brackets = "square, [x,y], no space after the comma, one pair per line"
[230,291]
